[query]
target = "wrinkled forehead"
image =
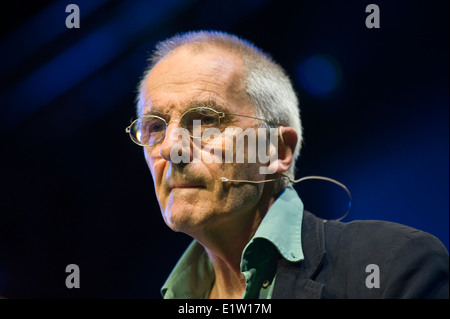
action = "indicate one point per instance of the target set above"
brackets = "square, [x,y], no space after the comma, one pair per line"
[184,106]
[187,75]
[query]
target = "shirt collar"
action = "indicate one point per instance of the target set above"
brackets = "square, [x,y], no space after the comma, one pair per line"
[193,275]
[282,226]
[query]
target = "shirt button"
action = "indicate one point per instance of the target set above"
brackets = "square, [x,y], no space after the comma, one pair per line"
[266,283]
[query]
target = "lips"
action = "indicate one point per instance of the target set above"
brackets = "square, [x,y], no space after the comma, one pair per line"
[185,186]
[174,180]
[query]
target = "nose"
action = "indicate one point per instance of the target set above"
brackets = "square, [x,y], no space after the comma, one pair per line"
[175,147]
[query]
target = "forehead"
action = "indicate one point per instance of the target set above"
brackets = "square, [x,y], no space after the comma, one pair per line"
[189,74]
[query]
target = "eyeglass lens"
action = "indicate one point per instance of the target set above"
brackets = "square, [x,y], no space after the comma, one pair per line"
[149,130]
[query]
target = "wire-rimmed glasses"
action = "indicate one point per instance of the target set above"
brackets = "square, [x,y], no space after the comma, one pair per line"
[150,129]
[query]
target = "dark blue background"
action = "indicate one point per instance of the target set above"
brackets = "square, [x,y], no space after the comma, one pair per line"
[75,189]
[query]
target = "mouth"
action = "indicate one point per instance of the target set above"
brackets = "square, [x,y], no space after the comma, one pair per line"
[185,187]
[183,182]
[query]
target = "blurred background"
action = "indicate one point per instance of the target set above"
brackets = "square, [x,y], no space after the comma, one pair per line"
[76,190]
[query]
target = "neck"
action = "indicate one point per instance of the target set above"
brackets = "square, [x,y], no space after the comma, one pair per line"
[224,245]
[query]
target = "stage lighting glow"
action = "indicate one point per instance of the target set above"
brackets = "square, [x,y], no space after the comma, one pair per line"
[319,74]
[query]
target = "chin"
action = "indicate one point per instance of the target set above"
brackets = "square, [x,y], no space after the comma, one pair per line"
[185,218]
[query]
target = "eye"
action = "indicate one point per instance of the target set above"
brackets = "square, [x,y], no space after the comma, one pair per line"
[153,125]
[209,120]
[208,117]
[203,116]
[156,127]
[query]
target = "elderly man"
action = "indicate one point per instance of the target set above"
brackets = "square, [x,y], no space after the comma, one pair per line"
[252,238]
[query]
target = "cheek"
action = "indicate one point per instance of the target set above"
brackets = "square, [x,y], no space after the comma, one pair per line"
[233,158]
[156,165]
[153,164]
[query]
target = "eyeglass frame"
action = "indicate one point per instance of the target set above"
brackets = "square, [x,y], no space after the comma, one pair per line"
[220,113]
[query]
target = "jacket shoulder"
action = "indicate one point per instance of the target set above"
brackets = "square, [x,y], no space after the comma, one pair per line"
[411,263]
[377,237]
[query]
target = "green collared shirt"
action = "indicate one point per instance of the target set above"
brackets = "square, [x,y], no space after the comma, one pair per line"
[278,236]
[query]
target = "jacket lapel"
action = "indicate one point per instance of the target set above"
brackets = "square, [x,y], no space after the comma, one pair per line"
[296,280]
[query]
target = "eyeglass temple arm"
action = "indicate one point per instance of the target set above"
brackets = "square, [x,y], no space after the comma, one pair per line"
[251,117]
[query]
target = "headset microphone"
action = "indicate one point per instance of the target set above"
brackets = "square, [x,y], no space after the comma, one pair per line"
[226,180]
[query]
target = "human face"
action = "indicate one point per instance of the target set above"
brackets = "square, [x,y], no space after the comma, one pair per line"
[192,196]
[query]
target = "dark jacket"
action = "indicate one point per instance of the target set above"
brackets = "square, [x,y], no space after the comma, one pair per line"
[411,263]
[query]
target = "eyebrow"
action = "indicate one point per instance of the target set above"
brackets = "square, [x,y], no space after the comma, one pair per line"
[154,112]
[211,103]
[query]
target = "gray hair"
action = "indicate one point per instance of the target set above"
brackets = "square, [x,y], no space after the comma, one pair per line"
[269,88]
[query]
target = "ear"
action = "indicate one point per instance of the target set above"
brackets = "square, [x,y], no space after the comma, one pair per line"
[287,141]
